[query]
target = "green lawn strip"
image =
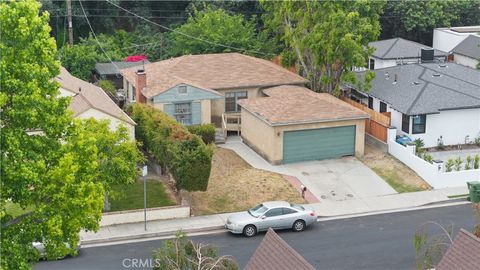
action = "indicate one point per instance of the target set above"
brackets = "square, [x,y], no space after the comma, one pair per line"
[395,181]
[458,196]
[130,196]
[15,210]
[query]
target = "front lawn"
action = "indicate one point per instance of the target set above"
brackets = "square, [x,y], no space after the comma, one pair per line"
[15,210]
[130,196]
[234,185]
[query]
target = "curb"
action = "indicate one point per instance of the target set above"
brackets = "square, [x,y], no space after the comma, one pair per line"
[148,235]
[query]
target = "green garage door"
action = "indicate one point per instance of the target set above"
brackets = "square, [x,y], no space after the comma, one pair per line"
[316,144]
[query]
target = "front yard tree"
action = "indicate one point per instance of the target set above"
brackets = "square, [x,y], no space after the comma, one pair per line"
[326,38]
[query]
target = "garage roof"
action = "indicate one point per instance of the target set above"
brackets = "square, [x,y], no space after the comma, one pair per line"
[290,104]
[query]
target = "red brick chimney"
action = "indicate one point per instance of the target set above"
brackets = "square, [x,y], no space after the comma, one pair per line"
[141,82]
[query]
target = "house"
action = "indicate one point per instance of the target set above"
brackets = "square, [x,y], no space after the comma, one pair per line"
[112,71]
[463,254]
[205,88]
[447,38]
[428,101]
[292,124]
[398,51]
[89,101]
[467,52]
[274,253]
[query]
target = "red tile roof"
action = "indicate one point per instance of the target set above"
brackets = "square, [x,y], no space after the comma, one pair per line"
[274,253]
[213,71]
[463,254]
[290,104]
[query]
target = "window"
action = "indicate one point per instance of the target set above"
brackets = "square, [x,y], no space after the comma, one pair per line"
[183,113]
[419,123]
[383,107]
[370,103]
[231,100]
[257,210]
[182,89]
[274,212]
[287,211]
[405,123]
[134,93]
[371,64]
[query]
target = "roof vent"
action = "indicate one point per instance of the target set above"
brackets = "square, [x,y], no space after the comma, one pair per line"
[443,65]
[436,75]
[387,76]
[415,82]
[426,55]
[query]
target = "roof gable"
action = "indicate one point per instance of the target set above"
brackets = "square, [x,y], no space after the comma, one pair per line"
[463,254]
[469,47]
[193,93]
[397,48]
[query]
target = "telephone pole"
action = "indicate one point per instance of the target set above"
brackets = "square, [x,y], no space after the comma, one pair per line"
[69,19]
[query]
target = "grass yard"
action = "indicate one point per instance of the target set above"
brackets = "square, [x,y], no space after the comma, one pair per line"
[395,173]
[235,186]
[128,197]
[15,209]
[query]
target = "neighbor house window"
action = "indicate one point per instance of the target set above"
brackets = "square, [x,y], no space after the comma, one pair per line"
[183,113]
[419,123]
[383,107]
[231,100]
[405,123]
[134,93]
[182,89]
[370,103]
[371,64]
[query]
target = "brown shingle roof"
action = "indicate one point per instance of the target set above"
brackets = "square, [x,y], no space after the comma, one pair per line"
[463,254]
[274,253]
[90,96]
[213,71]
[290,104]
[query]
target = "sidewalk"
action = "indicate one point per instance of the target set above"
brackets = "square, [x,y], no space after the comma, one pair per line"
[326,208]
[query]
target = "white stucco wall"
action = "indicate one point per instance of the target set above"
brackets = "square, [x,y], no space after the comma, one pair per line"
[445,40]
[466,61]
[114,122]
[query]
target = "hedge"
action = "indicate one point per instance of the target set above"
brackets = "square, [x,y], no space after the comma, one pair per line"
[205,131]
[184,154]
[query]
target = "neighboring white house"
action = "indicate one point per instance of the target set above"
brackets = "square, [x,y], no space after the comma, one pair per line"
[427,101]
[398,51]
[90,101]
[467,52]
[445,39]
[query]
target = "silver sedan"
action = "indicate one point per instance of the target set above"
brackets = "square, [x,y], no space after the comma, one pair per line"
[275,215]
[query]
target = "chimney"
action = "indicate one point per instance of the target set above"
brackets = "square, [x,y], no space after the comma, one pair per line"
[141,82]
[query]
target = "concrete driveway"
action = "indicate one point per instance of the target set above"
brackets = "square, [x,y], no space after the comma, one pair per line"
[335,179]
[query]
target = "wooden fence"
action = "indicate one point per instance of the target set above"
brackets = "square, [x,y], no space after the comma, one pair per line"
[378,124]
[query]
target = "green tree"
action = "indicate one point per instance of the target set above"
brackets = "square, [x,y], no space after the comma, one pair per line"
[327,38]
[415,20]
[181,253]
[218,27]
[55,169]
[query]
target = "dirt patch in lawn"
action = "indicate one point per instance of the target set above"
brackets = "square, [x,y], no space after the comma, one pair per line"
[235,186]
[394,172]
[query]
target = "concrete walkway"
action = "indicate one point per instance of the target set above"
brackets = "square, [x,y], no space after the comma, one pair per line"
[329,180]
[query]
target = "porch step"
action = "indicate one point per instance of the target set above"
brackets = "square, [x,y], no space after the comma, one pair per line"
[219,138]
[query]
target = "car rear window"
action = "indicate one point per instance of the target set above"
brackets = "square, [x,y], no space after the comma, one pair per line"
[298,207]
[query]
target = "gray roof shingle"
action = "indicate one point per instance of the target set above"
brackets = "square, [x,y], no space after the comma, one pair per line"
[463,254]
[115,68]
[427,88]
[469,47]
[396,48]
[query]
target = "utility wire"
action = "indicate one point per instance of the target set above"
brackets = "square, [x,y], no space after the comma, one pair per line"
[186,35]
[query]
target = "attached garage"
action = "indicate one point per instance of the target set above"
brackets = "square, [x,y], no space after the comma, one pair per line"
[294,124]
[316,144]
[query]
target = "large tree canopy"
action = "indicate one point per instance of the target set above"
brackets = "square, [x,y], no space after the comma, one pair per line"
[54,168]
[326,38]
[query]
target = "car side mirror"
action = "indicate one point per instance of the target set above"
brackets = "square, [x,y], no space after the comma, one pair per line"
[263,217]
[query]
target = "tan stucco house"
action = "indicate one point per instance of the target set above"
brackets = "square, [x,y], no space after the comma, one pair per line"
[90,101]
[293,124]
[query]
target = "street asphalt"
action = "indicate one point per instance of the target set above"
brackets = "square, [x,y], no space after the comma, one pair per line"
[381,241]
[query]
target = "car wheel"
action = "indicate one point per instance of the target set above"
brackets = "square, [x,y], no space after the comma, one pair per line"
[249,230]
[298,226]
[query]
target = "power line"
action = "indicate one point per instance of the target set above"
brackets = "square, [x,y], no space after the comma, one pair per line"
[186,35]
[95,36]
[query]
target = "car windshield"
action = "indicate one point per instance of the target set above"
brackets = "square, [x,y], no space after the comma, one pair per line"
[257,210]
[298,207]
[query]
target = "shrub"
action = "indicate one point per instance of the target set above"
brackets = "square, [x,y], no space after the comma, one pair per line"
[476,161]
[428,158]
[418,144]
[184,154]
[477,141]
[440,145]
[205,131]
[449,165]
[457,163]
[107,86]
[468,163]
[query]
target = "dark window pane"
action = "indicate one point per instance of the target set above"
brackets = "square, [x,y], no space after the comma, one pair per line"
[383,107]
[405,123]
[370,103]
[287,211]
[274,212]
[419,124]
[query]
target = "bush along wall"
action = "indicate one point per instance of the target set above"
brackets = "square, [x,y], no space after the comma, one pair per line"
[205,131]
[184,154]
